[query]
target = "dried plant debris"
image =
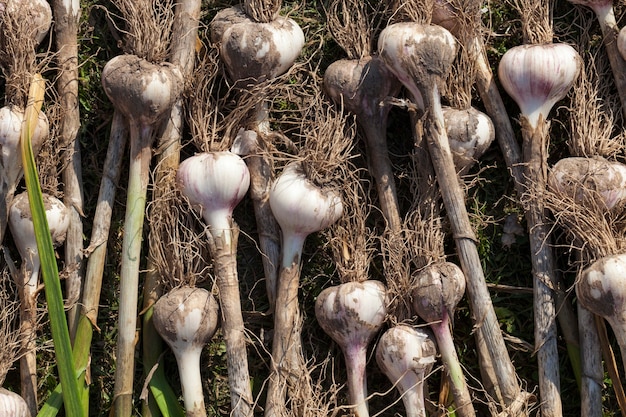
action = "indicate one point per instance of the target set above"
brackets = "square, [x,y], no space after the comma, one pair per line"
[147,27]
[350,239]
[9,325]
[419,11]
[536,16]
[350,22]
[179,253]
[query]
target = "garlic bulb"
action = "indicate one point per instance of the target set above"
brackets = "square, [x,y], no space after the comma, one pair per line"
[537,76]
[406,355]
[22,229]
[141,90]
[256,51]
[12,405]
[419,55]
[186,318]
[301,208]
[470,133]
[214,182]
[586,179]
[11,120]
[352,313]
[601,289]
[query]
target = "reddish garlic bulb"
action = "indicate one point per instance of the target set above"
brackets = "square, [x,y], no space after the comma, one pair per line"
[256,51]
[537,76]
[352,313]
[214,182]
[406,355]
[590,178]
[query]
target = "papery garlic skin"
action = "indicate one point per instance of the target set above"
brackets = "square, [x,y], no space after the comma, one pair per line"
[143,91]
[11,120]
[256,51]
[301,208]
[214,182]
[439,288]
[470,133]
[537,76]
[12,405]
[406,355]
[187,318]
[352,313]
[586,179]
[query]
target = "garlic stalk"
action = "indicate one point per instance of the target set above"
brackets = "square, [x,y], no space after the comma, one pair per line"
[406,355]
[67,14]
[361,86]
[352,313]
[143,92]
[22,230]
[439,289]
[301,208]
[421,56]
[214,183]
[186,318]
[536,76]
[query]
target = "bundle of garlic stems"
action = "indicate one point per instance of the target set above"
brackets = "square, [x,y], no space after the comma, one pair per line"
[22,27]
[536,77]
[143,88]
[360,84]
[422,81]
[243,34]
[66,15]
[184,35]
[353,312]
[591,127]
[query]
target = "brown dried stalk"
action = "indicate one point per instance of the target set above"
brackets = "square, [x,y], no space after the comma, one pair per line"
[66,29]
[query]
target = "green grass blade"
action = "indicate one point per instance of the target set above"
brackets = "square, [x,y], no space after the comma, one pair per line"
[164,395]
[50,273]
